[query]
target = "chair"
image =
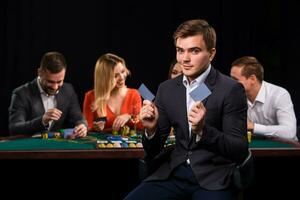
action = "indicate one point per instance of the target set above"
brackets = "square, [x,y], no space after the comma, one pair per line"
[143,169]
[243,174]
[298,133]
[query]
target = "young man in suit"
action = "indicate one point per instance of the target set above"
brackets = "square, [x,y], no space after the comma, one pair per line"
[210,134]
[46,103]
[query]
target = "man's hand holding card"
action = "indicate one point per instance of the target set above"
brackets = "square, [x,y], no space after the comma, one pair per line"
[197,112]
[148,113]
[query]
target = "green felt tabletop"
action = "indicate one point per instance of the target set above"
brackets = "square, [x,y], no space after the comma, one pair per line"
[256,143]
[86,143]
[90,141]
[45,144]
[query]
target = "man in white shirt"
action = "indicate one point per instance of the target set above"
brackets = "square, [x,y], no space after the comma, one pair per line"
[270,108]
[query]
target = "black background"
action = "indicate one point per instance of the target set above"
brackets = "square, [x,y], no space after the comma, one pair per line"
[141,33]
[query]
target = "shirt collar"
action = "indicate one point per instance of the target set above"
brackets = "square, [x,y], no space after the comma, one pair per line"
[39,85]
[200,79]
[261,96]
[41,89]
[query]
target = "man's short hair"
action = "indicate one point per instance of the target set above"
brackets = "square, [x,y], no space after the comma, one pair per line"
[196,27]
[250,66]
[53,62]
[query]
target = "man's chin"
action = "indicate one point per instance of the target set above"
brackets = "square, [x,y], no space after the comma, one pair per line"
[187,73]
[52,92]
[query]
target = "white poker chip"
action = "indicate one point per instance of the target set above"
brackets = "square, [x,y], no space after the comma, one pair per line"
[116,141]
[131,141]
[102,141]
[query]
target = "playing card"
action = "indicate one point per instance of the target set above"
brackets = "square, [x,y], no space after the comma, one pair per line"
[200,92]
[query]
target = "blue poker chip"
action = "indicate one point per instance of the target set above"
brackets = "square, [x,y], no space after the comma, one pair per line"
[50,134]
[124,145]
[114,138]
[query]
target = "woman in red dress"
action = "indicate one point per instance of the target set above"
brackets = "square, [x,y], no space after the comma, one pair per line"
[110,98]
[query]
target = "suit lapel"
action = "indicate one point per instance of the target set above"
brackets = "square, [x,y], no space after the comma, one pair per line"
[210,82]
[59,101]
[181,106]
[36,99]
[59,105]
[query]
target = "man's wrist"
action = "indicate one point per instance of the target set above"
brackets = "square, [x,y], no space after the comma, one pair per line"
[197,130]
[46,126]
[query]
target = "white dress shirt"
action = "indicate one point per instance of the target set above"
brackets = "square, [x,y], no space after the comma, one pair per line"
[272,112]
[49,101]
[189,100]
[189,88]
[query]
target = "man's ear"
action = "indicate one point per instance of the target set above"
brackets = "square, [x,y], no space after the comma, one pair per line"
[40,71]
[212,53]
[252,78]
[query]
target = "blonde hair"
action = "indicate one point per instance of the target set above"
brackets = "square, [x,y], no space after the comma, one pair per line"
[104,80]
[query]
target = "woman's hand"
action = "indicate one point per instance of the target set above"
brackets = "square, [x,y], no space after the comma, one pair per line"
[120,121]
[98,125]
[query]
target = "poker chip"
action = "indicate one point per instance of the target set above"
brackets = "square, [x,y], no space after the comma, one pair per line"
[117,145]
[102,141]
[124,145]
[131,141]
[109,145]
[131,145]
[139,145]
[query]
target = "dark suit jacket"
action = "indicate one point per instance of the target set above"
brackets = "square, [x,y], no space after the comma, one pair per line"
[223,143]
[26,109]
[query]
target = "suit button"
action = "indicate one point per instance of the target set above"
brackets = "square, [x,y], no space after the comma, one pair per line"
[190,153]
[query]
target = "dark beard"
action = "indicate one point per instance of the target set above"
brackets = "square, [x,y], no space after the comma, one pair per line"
[48,90]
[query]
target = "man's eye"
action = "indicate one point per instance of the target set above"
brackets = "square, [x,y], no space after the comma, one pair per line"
[179,51]
[195,51]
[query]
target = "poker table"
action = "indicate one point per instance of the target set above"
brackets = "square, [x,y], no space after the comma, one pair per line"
[273,157]
[25,147]
[271,146]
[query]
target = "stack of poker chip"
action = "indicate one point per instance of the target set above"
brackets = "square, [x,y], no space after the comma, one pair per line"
[62,133]
[56,135]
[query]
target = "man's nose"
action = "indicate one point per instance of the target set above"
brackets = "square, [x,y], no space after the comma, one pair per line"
[55,86]
[186,57]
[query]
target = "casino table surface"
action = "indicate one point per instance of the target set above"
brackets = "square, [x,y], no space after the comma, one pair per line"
[89,143]
[25,147]
[86,148]
[258,143]
[38,143]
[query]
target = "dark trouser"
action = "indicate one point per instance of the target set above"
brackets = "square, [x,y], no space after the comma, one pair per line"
[181,185]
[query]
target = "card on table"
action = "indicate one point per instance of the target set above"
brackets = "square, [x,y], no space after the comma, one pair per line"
[68,132]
